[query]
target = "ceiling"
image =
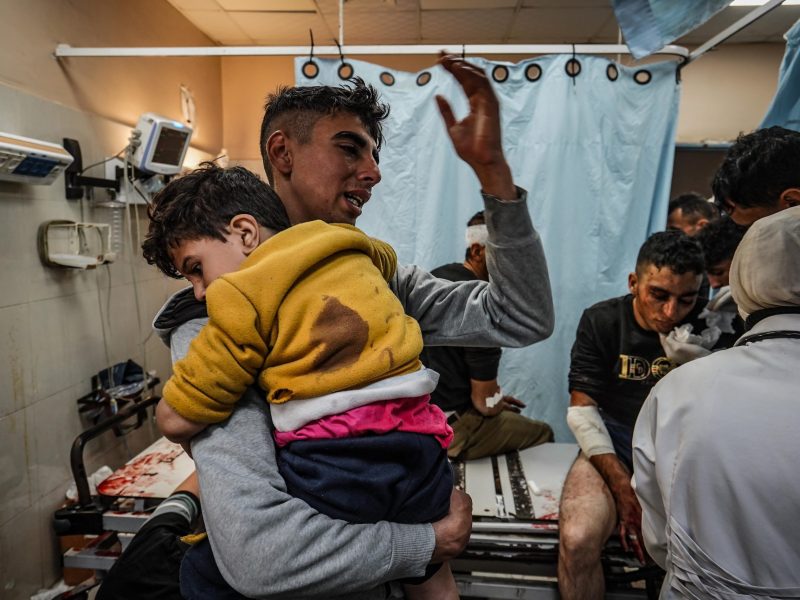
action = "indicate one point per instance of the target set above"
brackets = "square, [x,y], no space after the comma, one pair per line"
[450,22]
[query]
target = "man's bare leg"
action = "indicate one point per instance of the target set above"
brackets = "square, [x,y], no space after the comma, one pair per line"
[587,517]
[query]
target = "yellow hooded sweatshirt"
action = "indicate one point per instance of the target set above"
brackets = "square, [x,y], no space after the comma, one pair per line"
[308,313]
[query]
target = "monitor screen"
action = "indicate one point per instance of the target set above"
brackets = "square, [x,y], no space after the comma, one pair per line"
[169,147]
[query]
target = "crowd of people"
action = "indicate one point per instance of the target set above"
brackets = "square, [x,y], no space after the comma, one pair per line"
[320,386]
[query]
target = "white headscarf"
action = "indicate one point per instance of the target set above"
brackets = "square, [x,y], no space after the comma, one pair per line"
[765,272]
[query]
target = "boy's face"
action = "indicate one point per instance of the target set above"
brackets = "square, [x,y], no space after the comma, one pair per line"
[719,274]
[203,260]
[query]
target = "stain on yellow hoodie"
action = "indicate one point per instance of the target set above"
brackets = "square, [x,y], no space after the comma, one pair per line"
[308,313]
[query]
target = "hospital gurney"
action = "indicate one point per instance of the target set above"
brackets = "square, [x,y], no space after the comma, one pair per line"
[125,499]
[513,549]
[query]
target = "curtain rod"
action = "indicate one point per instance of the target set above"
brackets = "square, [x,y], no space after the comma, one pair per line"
[735,28]
[65,50]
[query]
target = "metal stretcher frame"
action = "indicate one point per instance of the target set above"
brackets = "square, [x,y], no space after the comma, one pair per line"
[513,550]
[101,514]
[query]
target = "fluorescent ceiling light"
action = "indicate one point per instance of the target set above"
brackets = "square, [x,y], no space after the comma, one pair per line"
[762,2]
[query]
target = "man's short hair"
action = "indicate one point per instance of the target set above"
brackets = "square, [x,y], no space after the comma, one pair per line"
[719,240]
[693,207]
[297,109]
[758,168]
[201,205]
[477,219]
[673,249]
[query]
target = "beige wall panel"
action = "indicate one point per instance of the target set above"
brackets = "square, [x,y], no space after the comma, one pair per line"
[727,91]
[119,89]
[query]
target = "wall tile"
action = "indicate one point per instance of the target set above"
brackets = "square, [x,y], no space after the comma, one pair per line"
[53,426]
[16,242]
[10,115]
[67,342]
[15,480]
[16,372]
[20,569]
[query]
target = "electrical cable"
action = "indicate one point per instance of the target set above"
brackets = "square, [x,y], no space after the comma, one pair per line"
[134,275]
[109,368]
[102,162]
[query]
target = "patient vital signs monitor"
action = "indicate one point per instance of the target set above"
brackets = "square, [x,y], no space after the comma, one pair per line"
[163,144]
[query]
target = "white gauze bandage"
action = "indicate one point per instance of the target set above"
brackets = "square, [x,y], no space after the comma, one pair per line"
[589,430]
[477,234]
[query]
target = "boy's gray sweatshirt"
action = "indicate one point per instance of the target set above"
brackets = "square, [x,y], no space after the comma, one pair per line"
[269,544]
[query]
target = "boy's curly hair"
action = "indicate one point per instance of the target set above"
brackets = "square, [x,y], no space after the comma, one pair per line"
[201,205]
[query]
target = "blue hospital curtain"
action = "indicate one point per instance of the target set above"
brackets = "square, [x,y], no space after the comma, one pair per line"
[785,107]
[649,25]
[594,152]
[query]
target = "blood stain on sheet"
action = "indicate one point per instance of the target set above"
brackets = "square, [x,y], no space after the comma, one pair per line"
[135,478]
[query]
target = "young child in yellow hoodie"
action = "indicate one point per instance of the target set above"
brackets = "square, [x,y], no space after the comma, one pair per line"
[306,313]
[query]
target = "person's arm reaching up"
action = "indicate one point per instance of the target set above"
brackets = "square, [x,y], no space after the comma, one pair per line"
[514,309]
[477,138]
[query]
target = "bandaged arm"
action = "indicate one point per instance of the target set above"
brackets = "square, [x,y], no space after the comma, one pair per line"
[589,430]
[595,442]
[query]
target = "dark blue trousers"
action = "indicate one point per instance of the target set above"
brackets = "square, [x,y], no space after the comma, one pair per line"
[399,476]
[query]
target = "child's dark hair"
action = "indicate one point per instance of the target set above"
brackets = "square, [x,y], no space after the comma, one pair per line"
[297,109]
[719,240]
[201,205]
[673,249]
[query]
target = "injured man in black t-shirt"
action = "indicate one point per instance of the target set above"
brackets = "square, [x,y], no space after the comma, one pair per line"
[623,346]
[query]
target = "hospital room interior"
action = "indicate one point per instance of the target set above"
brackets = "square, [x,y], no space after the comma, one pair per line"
[605,115]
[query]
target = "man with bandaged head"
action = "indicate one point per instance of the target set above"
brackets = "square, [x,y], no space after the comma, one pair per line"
[623,346]
[716,443]
[485,420]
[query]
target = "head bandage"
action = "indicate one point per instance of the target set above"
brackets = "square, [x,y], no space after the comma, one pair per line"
[765,272]
[589,430]
[477,234]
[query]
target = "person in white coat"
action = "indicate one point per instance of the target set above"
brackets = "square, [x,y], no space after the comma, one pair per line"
[717,443]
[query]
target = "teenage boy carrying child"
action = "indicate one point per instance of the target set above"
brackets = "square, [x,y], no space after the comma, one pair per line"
[306,312]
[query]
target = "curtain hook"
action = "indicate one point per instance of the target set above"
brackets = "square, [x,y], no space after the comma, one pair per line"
[345,69]
[463,52]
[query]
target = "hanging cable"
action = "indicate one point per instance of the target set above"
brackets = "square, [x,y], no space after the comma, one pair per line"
[310,68]
[134,142]
[101,162]
[574,61]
